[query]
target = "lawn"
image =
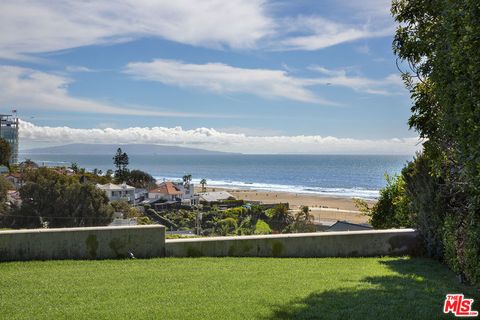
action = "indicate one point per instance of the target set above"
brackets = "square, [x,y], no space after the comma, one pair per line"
[228,288]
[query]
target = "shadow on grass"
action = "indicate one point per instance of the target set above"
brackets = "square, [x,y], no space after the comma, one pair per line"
[416,291]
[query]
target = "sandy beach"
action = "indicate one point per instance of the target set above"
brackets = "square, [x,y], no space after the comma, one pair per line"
[323,208]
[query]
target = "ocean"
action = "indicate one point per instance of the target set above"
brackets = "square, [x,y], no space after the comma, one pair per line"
[333,175]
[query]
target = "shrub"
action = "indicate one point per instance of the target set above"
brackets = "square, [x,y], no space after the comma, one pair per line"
[261,227]
[392,208]
[428,203]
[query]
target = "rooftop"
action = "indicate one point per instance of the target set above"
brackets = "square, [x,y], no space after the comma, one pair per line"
[167,187]
[215,196]
[115,187]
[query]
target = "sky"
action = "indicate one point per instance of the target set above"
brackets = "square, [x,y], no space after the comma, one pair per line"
[253,76]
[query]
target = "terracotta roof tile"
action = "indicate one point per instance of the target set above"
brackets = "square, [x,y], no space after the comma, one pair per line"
[167,188]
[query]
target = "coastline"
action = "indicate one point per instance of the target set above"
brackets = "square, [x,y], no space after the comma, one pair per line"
[323,208]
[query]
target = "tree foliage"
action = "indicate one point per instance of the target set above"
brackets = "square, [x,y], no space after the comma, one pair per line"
[121,161]
[303,221]
[392,209]
[4,187]
[140,179]
[56,200]
[279,218]
[5,152]
[439,41]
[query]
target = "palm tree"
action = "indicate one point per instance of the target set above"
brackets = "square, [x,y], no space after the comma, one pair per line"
[304,220]
[186,180]
[203,182]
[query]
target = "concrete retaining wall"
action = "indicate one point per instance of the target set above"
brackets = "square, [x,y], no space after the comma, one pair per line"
[83,243]
[331,244]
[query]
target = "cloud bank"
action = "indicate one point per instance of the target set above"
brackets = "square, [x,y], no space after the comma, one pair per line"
[317,33]
[32,26]
[211,139]
[38,26]
[222,78]
[268,83]
[32,89]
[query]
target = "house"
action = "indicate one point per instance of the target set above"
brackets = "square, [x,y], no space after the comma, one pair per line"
[173,191]
[4,169]
[16,179]
[215,196]
[167,190]
[118,191]
[347,226]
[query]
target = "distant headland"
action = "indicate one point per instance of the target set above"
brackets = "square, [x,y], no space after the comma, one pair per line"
[138,149]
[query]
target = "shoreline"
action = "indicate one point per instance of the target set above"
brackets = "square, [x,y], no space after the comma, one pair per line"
[323,208]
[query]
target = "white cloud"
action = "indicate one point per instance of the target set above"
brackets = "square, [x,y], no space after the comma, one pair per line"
[222,78]
[31,89]
[76,69]
[389,85]
[32,26]
[212,139]
[39,26]
[315,33]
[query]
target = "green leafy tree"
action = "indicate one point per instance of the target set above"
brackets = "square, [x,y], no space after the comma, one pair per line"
[226,226]
[5,152]
[130,212]
[121,161]
[5,185]
[74,167]
[303,221]
[53,199]
[109,173]
[392,210]
[140,179]
[279,218]
[428,203]
[439,41]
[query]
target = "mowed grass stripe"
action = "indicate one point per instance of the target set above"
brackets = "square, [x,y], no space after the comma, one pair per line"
[221,288]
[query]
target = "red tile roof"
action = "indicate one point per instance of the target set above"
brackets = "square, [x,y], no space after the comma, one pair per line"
[167,188]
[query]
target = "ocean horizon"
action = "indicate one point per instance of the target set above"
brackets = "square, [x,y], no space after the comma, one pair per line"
[359,176]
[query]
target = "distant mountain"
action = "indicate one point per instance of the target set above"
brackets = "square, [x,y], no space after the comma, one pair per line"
[110,149]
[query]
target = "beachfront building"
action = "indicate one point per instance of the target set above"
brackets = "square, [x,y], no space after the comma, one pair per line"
[174,191]
[167,191]
[215,196]
[118,191]
[9,132]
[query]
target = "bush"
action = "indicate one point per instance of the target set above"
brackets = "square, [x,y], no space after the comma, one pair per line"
[428,203]
[262,228]
[392,208]
[279,218]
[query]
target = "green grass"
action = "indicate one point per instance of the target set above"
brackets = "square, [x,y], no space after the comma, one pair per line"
[227,288]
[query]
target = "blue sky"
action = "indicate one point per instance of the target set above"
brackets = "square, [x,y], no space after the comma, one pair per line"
[255,76]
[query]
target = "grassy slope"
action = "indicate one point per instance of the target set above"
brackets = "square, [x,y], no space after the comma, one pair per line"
[221,288]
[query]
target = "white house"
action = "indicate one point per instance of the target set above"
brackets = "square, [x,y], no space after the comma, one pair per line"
[173,191]
[118,191]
